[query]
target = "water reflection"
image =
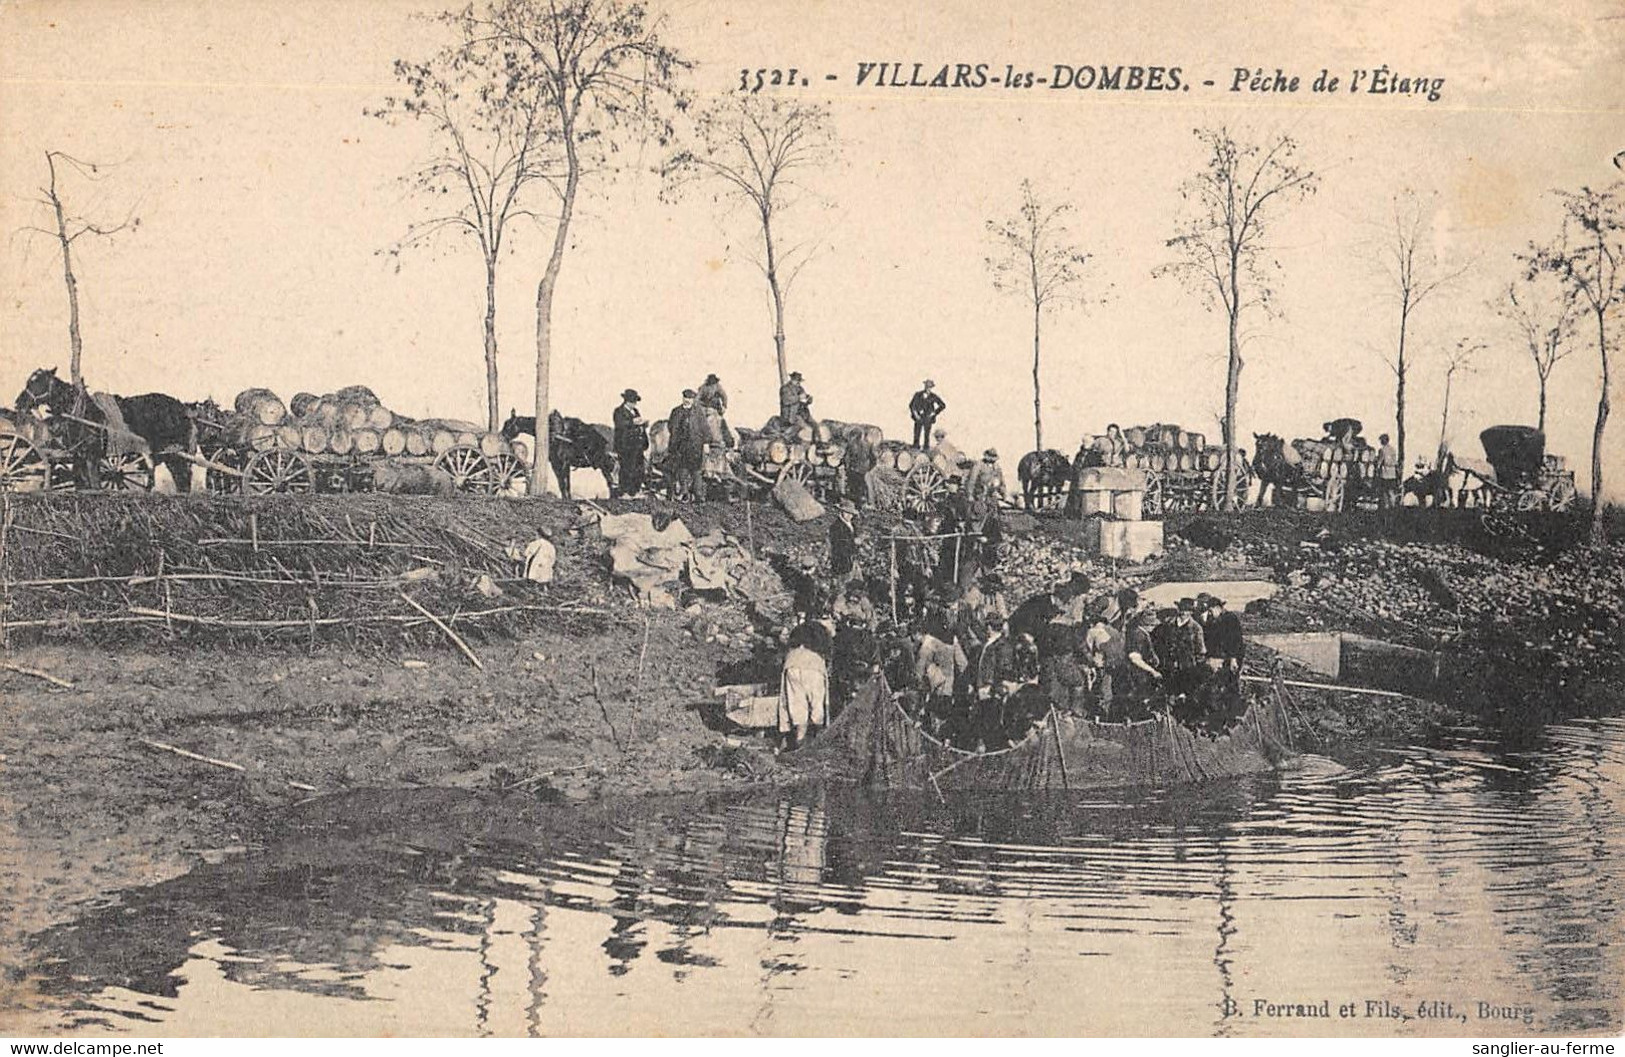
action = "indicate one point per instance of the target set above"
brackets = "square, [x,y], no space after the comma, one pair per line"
[1420,881]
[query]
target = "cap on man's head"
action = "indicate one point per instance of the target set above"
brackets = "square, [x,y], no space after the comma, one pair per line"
[990,454]
[689,394]
[929,384]
[630,395]
[1187,605]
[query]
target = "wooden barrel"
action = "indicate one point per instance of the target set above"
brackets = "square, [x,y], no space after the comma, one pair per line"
[326,412]
[417,442]
[798,451]
[442,441]
[904,460]
[262,405]
[353,416]
[393,441]
[301,404]
[1187,460]
[520,451]
[261,437]
[468,439]
[380,418]
[1135,436]
[289,436]
[1213,458]
[313,439]
[365,441]
[492,445]
[834,455]
[1195,442]
[341,442]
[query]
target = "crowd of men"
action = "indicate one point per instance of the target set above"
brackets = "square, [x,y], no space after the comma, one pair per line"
[979,671]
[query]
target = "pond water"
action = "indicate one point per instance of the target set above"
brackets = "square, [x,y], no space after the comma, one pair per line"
[1469,888]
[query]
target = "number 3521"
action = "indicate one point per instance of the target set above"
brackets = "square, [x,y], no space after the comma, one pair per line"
[755,80]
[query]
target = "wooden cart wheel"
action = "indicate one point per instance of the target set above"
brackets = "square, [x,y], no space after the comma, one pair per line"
[1244,486]
[130,472]
[507,475]
[1562,493]
[1531,499]
[218,480]
[278,470]
[469,470]
[1154,502]
[925,489]
[799,472]
[22,467]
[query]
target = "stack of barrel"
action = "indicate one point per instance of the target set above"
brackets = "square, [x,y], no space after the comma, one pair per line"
[349,421]
[779,442]
[1169,449]
[1325,460]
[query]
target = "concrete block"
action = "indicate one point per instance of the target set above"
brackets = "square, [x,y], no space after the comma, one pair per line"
[1131,541]
[1097,502]
[1128,506]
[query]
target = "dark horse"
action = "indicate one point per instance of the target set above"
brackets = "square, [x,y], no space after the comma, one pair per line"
[1044,475]
[81,426]
[1280,471]
[571,444]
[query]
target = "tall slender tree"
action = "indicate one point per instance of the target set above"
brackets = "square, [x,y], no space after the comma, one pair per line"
[758,150]
[1588,255]
[1222,245]
[1545,320]
[67,229]
[1458,360]
[1035,258]
[1413,274]
[603,73]
[491,152]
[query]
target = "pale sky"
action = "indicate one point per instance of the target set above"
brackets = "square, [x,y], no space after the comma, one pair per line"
[264,194]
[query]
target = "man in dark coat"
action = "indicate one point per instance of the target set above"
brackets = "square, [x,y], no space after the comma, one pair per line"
[685,457]
[715,398]
[843,541]
[924,409]
[631,442]
[1226,642]
[793,402]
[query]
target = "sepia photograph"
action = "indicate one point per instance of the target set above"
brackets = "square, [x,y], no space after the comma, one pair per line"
[752,518]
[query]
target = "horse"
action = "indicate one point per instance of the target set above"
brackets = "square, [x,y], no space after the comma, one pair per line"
[1280,470]
[159,420]
[1044,475]
[571,444]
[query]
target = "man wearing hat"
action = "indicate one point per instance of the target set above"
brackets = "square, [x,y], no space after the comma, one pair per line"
[843,541]
[1226,643]
[685,455]
[713,400]
[1185,655]
[1105,650]
[793,402]
[984,485]
[924,409]
[631,442]
[1144,674]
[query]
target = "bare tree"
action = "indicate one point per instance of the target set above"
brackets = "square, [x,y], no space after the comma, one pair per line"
[70,228]
[757,149]
[1459,360]
[601,70]
[1222,244]
[1035,258]
[1588,255]
[491,145]
[1414,274]
[1546,322]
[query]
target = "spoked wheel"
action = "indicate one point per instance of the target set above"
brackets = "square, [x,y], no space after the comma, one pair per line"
[219,480]
[506,475]
[469,470]
[1531,499]
[798,472]
[1155,501]
[1561,494]
[1244,487]
[278,470]
[129,472]
[925,489]
[22,467]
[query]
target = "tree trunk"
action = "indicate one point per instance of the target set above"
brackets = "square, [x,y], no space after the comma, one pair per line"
[1399,390]
[1444,421]
[778,299]
[1540,421]
[75,343]
[1599,525]
[1232,396]
[1038,404]
[536,484]
[493,402]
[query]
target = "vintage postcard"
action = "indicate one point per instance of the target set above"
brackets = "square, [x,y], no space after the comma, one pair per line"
[751,517]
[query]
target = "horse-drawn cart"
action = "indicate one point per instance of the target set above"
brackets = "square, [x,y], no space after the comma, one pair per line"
[1522,476]
[38,455]
[915,481]
[1183,472]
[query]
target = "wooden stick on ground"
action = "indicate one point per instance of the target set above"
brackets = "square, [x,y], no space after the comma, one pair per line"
[443,626]
[1333,686]
[36,673]
[162,747]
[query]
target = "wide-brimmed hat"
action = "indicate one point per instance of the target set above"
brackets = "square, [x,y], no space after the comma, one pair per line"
[795,376]
[689,394]
[846,506]
[1204,600]
[1187,605]
[928,383]
[711,378]
[631,395]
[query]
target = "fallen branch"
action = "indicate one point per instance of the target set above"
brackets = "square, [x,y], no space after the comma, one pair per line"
[162,747]
[443,626]
[1332,686]
[36,673]
[614,734]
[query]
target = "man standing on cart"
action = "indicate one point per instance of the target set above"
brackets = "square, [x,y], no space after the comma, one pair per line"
[924,409]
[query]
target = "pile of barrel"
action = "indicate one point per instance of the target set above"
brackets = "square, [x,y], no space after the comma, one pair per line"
[898,455]
[349,421]
[1170,449]
[1326,460]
